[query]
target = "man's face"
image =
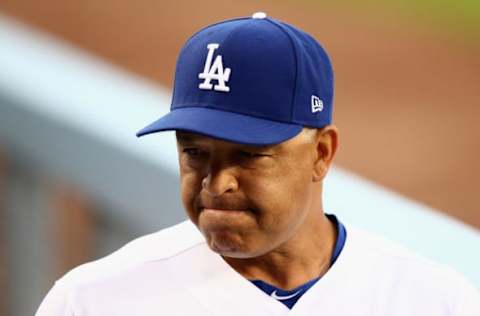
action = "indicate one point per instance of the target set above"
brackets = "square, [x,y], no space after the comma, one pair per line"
[246,200]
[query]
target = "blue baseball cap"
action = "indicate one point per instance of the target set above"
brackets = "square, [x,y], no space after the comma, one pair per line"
[253,80]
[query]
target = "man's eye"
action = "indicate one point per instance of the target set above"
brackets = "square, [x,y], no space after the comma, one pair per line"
[248,154]
[192,151]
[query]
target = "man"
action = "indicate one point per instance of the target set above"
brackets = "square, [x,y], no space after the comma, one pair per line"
[252,111]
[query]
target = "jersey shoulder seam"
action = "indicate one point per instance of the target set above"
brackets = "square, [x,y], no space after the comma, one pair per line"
[137,252]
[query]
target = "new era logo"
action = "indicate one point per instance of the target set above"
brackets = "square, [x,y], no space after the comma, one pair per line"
[317,104]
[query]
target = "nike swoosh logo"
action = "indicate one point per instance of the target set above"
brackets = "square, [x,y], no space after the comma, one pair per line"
[282,298]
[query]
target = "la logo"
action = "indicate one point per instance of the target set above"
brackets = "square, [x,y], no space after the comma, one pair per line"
[214,72]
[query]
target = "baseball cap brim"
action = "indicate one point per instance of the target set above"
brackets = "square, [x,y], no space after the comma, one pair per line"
[229,126]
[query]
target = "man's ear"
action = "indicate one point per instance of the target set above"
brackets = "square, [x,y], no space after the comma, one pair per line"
[326,141]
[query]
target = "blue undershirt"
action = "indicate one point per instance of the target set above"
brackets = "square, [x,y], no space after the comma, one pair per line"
[290,297]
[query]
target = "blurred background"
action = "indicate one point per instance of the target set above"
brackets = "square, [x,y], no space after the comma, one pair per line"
[78,78]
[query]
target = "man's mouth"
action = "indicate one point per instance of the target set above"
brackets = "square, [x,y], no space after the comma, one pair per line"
[217,205]
[224,209]
[223,214]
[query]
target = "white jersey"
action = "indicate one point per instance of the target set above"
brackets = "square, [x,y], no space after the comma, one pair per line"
[173,272]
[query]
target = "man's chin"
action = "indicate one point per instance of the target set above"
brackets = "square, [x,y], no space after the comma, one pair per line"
[227,245]
[231,249]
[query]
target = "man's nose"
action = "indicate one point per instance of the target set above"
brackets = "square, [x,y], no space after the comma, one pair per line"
[219,181]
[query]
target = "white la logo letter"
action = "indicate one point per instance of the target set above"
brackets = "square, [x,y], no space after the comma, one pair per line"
[215,72]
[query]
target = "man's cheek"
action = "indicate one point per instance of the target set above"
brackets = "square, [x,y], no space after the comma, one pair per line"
[190,184]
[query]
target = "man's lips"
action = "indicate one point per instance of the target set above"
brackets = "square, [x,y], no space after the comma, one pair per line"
[225,209]
[222,214]
[223,205]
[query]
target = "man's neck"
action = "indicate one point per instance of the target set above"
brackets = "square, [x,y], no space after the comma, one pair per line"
[304,257]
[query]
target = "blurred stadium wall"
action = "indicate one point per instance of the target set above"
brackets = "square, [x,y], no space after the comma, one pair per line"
[407,75]
[407,79]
